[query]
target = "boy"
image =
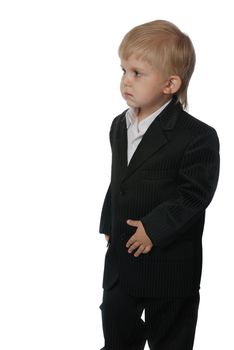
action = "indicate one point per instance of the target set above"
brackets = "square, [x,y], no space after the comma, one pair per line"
[165,166]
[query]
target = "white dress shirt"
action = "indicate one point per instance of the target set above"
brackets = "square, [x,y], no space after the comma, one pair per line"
[136,130]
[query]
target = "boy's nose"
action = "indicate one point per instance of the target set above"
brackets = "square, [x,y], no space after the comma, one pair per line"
[126,80]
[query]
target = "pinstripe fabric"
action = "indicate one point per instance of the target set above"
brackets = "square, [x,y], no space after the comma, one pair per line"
[168,185]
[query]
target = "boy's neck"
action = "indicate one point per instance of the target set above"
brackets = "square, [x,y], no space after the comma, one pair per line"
[143,114]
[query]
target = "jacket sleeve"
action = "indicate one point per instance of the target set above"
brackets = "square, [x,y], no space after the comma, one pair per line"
[105,222]
[197,181]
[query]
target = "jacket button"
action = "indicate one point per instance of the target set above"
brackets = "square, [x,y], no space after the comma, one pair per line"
[122,192]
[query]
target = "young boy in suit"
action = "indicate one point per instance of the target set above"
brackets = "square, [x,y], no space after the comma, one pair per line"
[165,166]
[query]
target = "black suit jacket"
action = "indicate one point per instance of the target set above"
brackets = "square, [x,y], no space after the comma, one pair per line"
[168,184]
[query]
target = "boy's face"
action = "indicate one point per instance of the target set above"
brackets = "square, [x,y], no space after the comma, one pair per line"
[142,86]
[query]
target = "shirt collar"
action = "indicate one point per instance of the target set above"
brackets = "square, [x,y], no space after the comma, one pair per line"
[131,117]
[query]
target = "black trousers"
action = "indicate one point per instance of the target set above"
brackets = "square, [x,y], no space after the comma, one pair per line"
[170,323]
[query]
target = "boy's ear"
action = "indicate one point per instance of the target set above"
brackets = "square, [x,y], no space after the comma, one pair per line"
[172,85]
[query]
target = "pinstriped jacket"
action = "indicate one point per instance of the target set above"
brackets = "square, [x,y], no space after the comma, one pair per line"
[168,184]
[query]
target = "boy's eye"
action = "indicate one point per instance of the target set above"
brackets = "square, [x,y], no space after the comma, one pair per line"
[137,73]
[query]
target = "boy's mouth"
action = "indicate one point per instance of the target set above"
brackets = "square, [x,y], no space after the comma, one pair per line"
[127,94]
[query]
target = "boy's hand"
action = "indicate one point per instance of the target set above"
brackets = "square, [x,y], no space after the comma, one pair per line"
[139,240]
[107,237]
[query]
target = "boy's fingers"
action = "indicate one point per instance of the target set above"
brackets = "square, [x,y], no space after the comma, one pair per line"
[134,246]
[133,223]
[139,251]
[107,237]
[147,249]
[130,241]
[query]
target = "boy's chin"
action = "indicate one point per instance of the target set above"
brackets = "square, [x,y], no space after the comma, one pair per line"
[131,104]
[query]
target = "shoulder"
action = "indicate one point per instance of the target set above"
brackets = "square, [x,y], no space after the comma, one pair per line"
[194,125]
[198,131]
[119,118]
[118,122]
[189,122]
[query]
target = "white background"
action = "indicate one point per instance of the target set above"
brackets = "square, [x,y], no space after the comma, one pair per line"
[59,79]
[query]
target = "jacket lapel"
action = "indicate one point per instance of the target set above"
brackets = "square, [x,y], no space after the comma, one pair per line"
[152,141]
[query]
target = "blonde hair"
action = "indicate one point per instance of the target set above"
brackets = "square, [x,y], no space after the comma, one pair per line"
[165,47]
